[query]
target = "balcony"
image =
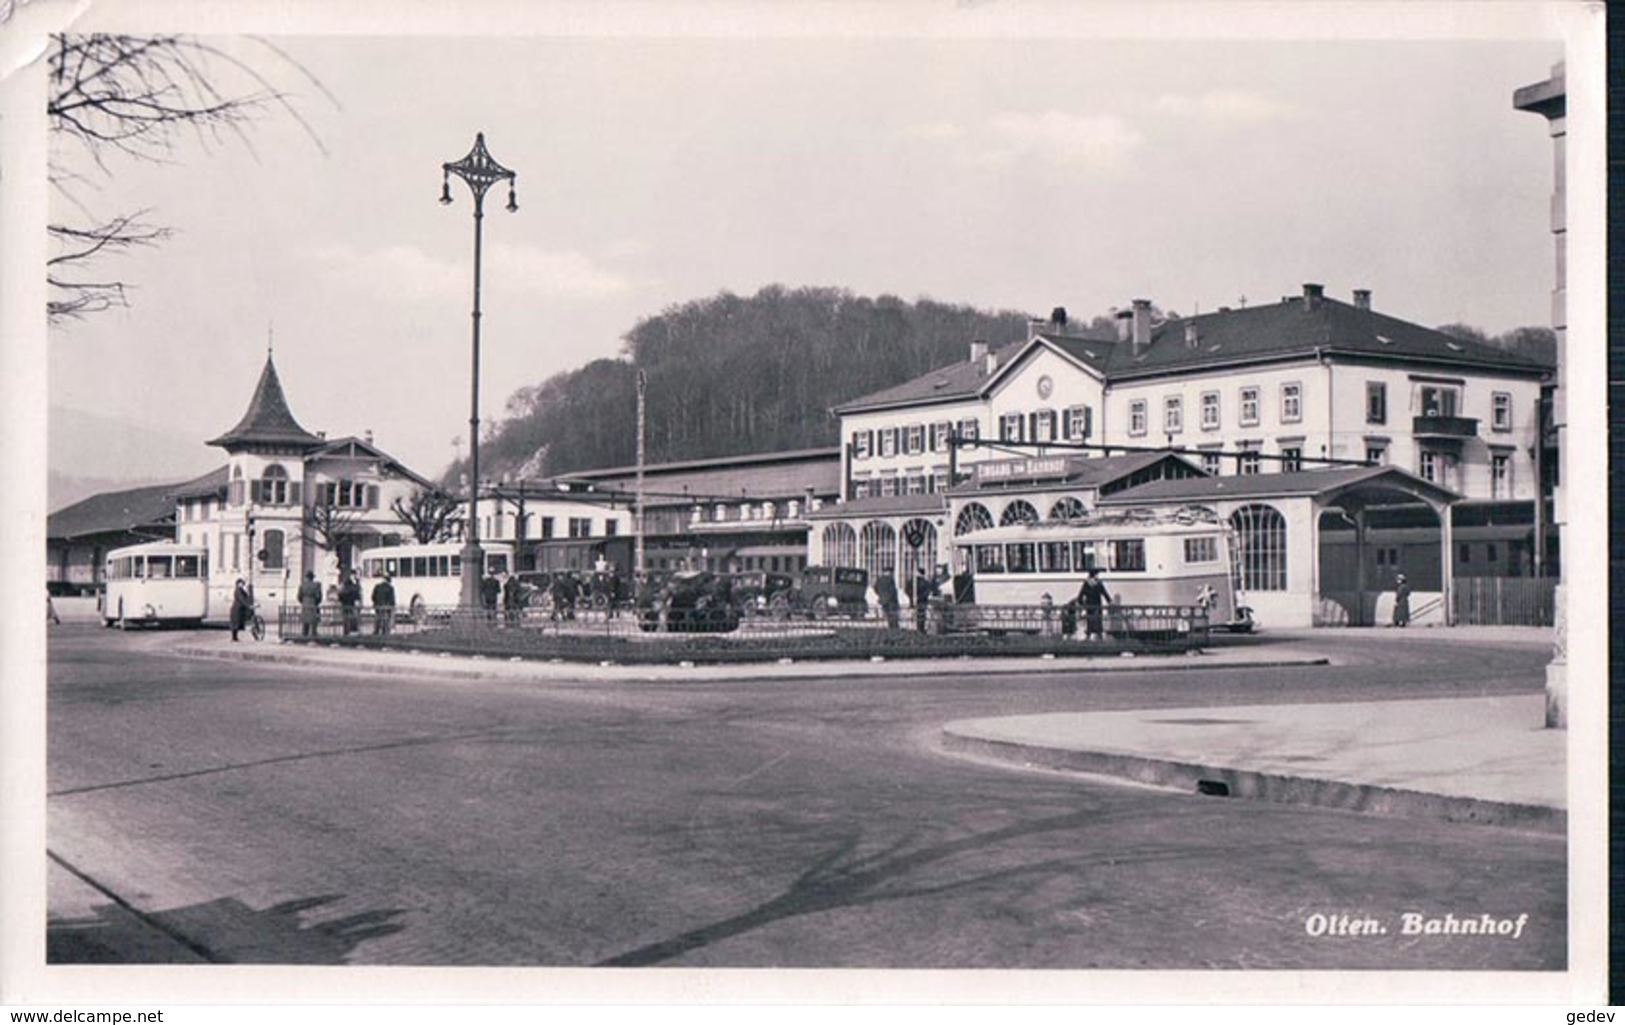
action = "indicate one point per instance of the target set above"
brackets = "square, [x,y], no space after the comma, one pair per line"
[1444,428]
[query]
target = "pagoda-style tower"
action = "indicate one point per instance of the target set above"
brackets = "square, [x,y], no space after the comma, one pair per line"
[263,516]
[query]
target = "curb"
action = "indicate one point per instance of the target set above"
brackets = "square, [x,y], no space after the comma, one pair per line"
[428,664]
[1277,788]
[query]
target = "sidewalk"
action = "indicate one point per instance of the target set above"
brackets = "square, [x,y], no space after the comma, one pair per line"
[1486,760]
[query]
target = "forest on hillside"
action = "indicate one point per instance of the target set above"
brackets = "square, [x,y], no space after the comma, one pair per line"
[729,375]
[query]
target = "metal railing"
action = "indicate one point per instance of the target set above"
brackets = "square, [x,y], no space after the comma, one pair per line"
[649,634]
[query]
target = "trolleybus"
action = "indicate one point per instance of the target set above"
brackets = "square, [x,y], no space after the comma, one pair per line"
[1183,558]
[426,576]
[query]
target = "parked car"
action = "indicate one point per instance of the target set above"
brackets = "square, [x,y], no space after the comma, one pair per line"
[758,592]
[832,591]
[689,602]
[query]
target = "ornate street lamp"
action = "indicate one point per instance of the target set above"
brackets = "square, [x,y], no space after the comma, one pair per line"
[481,172]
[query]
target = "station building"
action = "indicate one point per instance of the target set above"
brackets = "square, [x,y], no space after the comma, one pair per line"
[1292,393]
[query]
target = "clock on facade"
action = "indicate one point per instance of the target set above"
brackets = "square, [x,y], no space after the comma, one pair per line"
[1045,386]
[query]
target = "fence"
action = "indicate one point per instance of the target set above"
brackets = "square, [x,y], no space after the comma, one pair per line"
[626,633]
[1504,601]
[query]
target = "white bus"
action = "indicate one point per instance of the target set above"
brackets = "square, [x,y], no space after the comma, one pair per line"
[160,582]
[426,576]
[1182,558]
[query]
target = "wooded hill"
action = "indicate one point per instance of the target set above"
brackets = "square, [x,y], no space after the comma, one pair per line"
[732,376]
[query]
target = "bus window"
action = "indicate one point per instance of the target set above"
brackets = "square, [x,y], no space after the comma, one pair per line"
[1054,557]
[159,567]
[186,567]
[989,559]
[420,566]
[1128,555]
[391,568]
[456,565]
[1201,549]
[1020,559]
[1084,556]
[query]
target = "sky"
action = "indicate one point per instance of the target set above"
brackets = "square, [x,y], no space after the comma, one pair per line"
[1012,168]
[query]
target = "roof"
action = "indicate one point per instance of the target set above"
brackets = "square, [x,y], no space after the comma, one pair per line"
[961,380]
[112,512]
[1089,471]
[882,505]
[732,478]
[1291,329]
[210,483]
[268,420]
[353,447]
[1295,327]
[1301,483]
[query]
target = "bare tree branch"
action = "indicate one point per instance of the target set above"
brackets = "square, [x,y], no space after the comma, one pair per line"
[139,97]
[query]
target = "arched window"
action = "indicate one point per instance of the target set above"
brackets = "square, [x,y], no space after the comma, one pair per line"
[919,549]
[1019,511]
[1261,547]
[974,516]
[1068,508]
[877,548]
[840,545]
[273,486]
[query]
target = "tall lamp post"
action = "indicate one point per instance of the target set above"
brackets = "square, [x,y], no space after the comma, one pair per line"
[481,172]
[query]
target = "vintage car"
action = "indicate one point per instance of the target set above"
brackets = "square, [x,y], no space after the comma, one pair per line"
[758,592]
[832,591]
[689,602]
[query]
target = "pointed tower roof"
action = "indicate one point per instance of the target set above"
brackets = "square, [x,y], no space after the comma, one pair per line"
[268,420]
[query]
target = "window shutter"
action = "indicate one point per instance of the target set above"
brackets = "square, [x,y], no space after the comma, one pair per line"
[1088,421]
[372,496]
[293,492]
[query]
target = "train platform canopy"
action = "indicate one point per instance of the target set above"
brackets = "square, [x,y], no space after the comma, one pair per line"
[1366,485]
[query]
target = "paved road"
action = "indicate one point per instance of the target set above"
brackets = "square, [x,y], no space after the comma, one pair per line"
[264,814]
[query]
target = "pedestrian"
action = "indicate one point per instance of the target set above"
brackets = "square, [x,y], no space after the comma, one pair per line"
[383,606]
[490,592]
[310,605]
[1402,601]
[886,596]
[1092,596]
[242,607]
[350,603]
[922,590]
[513,598]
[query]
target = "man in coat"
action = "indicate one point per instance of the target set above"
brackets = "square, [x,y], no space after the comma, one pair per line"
[310,605]
[1091,597]
[383,606]
[886,597]
[350,602]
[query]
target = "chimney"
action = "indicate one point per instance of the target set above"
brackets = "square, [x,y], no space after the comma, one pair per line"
[1125,329]
[1362,298]
[1142,325]
[992,363]
[1312,295]
[1190,334]
[366,436]
[978,351]
[1035,327]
